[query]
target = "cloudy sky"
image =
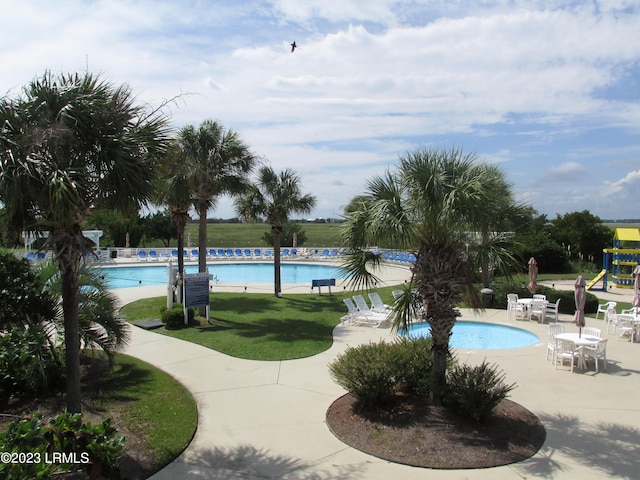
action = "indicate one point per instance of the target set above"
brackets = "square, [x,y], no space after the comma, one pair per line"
[548,89]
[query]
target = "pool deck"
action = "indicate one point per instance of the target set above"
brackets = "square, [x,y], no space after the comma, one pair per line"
[262,420]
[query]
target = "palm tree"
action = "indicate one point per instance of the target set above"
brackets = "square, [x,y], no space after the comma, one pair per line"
[219,163]
[426,205]
[274,198]
[173,189]
[100,325]
[67,144]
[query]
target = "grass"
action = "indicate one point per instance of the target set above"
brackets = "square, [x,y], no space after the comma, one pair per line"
[256,326]
[152,403]
[249,235]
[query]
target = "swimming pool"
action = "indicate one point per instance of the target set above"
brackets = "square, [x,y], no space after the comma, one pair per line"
[469,335]
[229,273]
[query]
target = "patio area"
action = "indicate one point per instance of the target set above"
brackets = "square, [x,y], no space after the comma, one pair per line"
[267,419]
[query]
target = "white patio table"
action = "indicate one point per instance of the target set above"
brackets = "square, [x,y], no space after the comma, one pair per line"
[580,341]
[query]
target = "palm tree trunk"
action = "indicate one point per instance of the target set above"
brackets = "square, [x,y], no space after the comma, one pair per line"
[202,245]
[277,230]
[486,280]
[203,207]
[69,259]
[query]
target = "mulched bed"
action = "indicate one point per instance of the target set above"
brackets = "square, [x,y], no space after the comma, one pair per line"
[412,432]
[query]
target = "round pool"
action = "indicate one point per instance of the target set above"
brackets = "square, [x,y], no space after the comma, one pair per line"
[230,273]
[469,335]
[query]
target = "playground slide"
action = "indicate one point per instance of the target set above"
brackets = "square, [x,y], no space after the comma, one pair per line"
[596,280]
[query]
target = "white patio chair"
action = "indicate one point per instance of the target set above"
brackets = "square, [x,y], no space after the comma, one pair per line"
[554,329]
[565,350]
[598,353]
[357,315]
[604,308]
[538,309]
[592,332]
[552,309]
[516,308]
[626,328]
[612,319]
[539,296]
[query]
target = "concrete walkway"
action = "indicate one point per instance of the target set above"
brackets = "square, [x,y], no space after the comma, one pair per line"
[261,420]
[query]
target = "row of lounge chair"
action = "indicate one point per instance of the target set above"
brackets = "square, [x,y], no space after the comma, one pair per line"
[237,253]
[360,313]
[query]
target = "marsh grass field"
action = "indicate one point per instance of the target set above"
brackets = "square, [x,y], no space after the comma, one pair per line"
[249,235]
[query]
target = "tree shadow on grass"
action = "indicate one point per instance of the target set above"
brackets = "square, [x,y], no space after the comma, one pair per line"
[247,461]
[609,448]
[275,329]
[110,383]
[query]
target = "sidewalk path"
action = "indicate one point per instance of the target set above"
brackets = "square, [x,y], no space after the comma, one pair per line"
[266,420]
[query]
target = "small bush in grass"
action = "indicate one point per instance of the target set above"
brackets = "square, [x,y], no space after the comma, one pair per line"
[475,391]
[174,318]
[368,372]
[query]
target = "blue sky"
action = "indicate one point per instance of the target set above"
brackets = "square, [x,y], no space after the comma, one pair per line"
[549,90]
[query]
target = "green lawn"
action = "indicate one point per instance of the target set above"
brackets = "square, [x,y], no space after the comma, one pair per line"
[152,403]
[257,326]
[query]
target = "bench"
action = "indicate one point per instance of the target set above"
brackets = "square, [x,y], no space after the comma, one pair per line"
[323,282]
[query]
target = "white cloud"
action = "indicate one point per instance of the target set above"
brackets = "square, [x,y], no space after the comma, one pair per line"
[524,83]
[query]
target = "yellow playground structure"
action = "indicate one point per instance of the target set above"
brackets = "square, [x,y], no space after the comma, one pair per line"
[619,262]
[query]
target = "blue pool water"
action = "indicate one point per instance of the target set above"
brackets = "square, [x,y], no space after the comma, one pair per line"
[481,336]
[230,273]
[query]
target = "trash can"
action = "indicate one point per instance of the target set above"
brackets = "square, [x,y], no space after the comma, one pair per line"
[113,253]
[487,297]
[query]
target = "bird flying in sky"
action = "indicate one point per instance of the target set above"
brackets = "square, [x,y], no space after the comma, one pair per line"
[293,46]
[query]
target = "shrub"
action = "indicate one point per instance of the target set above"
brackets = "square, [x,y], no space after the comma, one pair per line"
[174,318]
[414,361]
[368,372]
[28,364]
[373,373]
[475,391]
[97,448]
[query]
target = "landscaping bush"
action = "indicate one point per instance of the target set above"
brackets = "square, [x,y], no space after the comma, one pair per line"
[28,364]
[475,391]
[95,449]
[174,318]
[368,372]
[567,297]
[414,361]
[373,373]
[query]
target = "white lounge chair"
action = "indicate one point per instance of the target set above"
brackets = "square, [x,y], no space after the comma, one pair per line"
[598,353]
[357,317]
[377,305]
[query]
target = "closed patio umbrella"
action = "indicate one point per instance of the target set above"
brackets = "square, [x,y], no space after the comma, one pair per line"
[581,297]
[636,287]
[533,275]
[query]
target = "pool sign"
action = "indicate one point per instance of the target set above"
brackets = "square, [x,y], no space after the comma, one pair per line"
[196,292]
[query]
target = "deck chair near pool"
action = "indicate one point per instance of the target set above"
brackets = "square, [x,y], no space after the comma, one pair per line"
[364,308]
[377,305]
[356,317]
